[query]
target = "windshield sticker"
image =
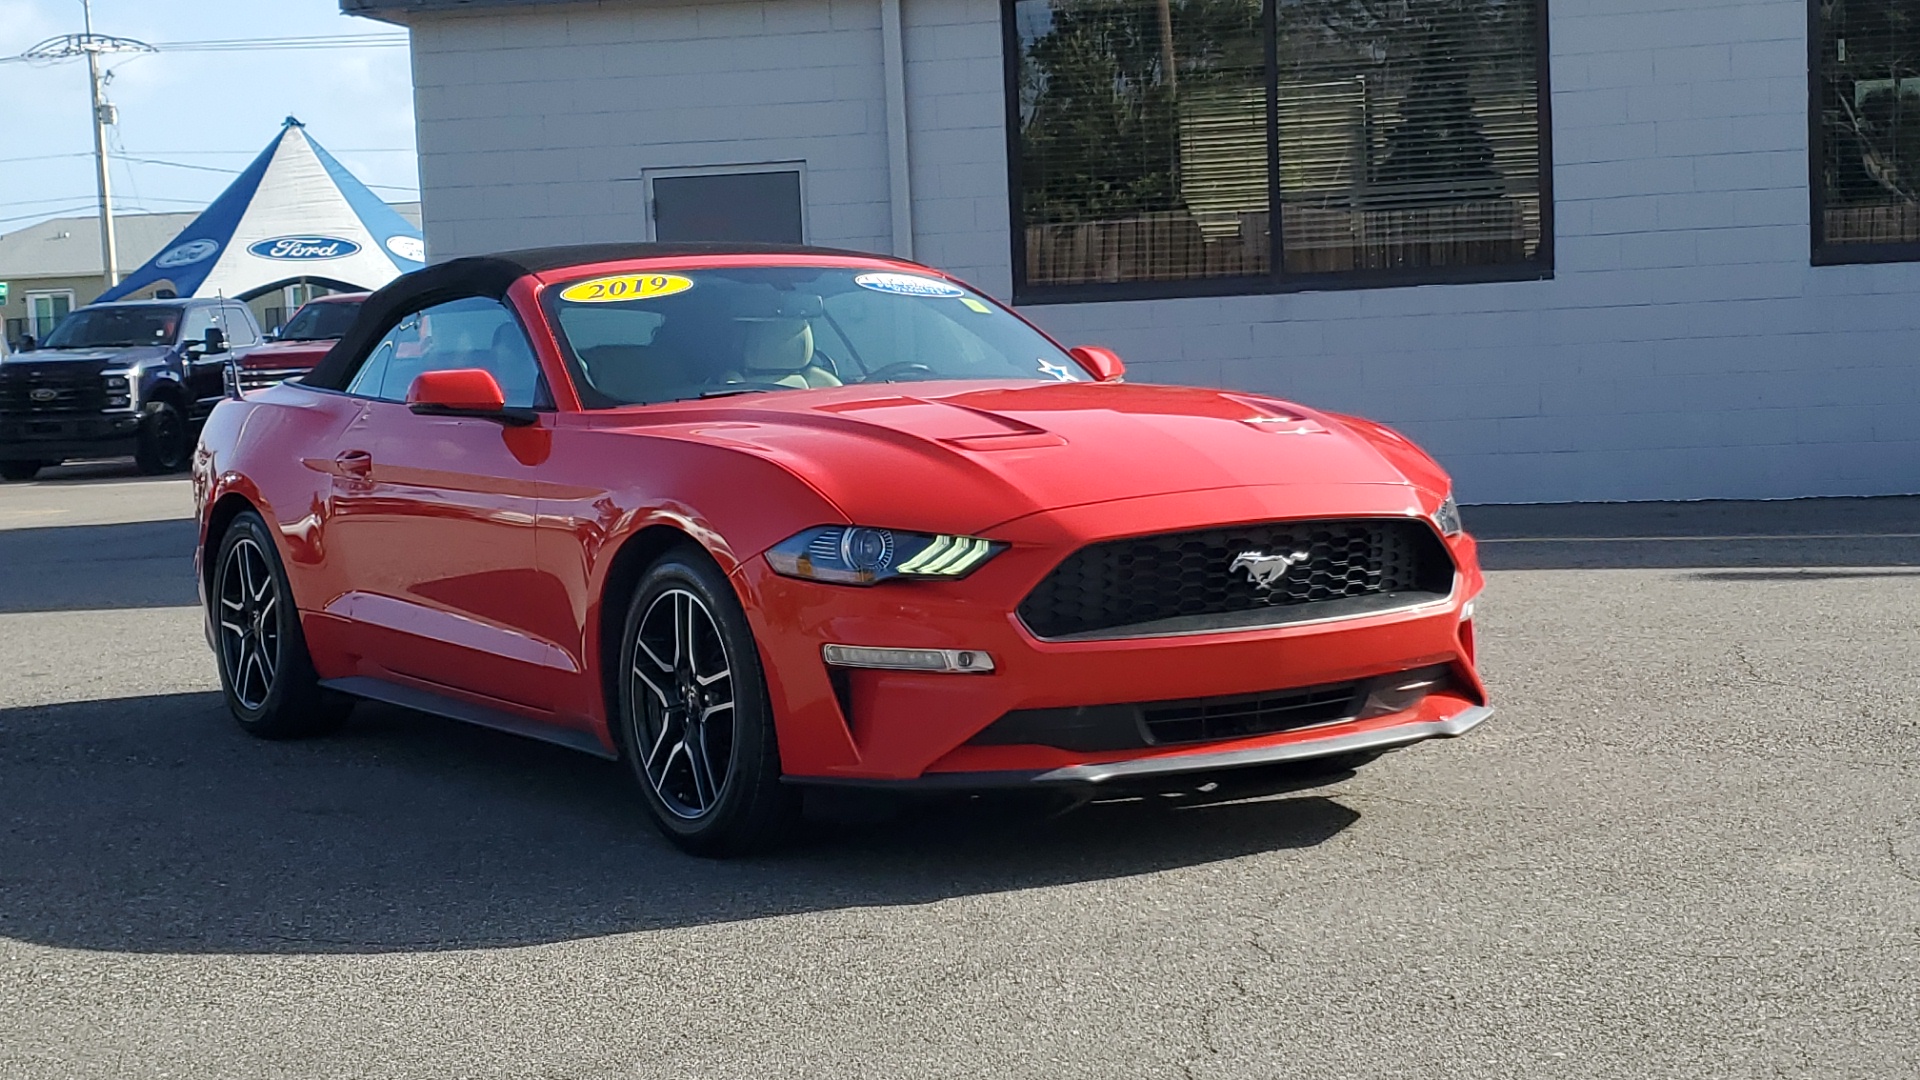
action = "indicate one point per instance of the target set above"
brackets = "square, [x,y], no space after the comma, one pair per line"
[1058,371]
[975,305]
[907,285]
[608,290]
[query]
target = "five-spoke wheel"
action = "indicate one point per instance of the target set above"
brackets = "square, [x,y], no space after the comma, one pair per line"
[694,721]
[265,672]
[684,728]
[249,623]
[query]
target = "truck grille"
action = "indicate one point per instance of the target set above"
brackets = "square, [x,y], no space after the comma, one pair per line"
[52,390]
[1188,582]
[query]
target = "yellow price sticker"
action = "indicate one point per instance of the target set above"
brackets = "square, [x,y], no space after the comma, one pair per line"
[608,290]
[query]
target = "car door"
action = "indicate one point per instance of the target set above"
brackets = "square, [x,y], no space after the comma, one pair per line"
[436,521]
[202,372]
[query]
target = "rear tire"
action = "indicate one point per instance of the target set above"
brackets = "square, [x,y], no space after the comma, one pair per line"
[694,721]
[20,470]
[266,675]
[166,445]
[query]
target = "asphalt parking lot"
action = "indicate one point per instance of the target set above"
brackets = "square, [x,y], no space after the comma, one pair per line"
[1687,846]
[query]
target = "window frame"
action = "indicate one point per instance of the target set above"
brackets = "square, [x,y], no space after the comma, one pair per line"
[1821,252]
[1277,280]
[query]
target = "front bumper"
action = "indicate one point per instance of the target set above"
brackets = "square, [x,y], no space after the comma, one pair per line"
[29,438]
[889,728]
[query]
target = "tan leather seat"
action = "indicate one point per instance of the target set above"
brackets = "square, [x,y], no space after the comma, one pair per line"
[781,351]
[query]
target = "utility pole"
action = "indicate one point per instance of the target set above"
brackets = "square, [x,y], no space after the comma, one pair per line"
[91,46]
[102,116]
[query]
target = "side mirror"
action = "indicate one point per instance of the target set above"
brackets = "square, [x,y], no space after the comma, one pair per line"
[216,340]
[1105,364]
[463,392]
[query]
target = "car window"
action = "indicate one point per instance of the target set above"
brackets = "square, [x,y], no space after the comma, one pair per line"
[115,327]
[199,320]
[472,333]
[372,374]
[238,327]
[649,337]
[319,322]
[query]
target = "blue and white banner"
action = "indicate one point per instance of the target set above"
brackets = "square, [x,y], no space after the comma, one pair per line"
[294,213]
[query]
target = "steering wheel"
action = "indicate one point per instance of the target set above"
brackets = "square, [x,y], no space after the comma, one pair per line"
[900,367]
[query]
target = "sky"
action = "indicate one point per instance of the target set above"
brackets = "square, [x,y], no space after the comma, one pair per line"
[208,110]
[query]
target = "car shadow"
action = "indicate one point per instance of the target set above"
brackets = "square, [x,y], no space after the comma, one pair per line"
[151,824]
[140,564]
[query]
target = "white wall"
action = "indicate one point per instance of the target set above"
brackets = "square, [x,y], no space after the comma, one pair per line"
[1685,348]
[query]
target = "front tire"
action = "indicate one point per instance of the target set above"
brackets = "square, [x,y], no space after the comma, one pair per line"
[695,723]
[20,470]
[266,674]
[165,446]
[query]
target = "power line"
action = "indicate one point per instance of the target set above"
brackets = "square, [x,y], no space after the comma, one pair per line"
[260,44]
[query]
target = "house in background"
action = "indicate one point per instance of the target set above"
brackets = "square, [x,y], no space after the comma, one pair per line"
[1580,252]
[53,267]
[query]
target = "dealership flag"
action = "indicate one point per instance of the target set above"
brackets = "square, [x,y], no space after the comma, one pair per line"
[295,214]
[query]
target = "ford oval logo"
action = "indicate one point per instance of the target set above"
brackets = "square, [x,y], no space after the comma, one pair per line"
[187,254]
[43,394]
[303,248]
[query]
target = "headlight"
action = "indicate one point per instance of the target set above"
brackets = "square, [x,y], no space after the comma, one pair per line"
[1448,516]
[857,555]
[117,382]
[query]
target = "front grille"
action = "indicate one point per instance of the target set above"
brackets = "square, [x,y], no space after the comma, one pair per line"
[1189,582]
[52,391]
[261,378]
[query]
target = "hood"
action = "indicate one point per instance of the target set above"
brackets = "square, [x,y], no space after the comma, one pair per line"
[48,358]
[961,456]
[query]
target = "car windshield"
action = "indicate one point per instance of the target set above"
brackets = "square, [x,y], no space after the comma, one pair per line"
[321,322]
[653,337]
[110,327]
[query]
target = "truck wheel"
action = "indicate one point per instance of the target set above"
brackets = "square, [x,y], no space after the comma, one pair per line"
[165,445]
[266,673]
[20,470]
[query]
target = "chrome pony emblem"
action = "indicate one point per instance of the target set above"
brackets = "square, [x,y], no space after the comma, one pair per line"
[1266,571]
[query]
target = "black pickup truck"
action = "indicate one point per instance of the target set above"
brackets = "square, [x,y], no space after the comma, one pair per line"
[135,377]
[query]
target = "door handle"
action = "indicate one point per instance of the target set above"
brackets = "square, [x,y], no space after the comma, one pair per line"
[355,463]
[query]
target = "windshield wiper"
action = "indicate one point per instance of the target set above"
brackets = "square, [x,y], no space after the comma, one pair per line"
[732,391]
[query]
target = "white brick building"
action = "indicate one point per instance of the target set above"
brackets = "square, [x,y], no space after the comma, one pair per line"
[1656,325]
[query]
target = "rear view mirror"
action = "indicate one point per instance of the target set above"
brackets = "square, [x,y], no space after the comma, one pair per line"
[1104,364]
[463,392]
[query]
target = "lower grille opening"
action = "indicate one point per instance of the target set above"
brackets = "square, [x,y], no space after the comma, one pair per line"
[1139,725]
[1214,719]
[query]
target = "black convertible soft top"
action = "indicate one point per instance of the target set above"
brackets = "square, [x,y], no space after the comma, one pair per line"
[491,276]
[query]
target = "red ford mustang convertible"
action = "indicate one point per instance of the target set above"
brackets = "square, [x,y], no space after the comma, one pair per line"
[756,519]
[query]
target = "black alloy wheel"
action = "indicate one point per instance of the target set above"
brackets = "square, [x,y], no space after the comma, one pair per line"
[694,721]
[20,470]
[165,444]
[266,674]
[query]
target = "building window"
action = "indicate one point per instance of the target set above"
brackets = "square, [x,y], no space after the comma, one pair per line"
[45,310]
[1154,143]
[748,204]
[1865,115]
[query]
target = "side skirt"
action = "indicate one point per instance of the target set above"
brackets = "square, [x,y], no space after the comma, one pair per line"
[426,701]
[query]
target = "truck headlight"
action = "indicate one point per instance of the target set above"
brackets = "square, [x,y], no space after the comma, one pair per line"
[858,555]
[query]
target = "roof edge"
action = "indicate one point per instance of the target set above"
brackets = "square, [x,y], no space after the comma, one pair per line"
[398,11]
